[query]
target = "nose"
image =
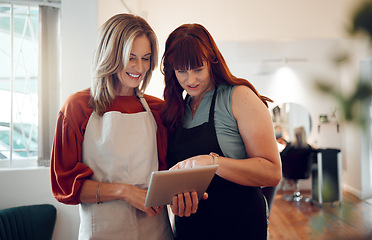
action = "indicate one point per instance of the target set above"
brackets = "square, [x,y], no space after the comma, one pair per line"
[139,66]
[191,78]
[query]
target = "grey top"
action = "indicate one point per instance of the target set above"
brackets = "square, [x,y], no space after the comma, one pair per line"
[228,135]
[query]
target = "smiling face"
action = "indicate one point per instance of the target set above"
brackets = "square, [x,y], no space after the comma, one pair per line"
[196,81]
[139,63]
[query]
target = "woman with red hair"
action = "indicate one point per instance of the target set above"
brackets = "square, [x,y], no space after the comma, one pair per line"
[222,120]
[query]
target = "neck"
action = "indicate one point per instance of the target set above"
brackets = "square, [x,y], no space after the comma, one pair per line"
[125,92]
[195,102]
[197,99]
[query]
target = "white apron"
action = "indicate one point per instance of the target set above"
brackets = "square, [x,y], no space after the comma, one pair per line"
[121,148]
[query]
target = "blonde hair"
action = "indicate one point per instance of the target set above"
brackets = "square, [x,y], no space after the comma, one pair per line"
[299,138]
[112,55]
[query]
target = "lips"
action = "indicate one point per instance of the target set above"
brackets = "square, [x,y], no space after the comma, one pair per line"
[134,75]
[193,86]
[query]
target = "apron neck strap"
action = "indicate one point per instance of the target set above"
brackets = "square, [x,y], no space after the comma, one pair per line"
[211,110]
[143,102]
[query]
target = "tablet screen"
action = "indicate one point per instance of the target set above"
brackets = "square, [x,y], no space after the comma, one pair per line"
[165,184]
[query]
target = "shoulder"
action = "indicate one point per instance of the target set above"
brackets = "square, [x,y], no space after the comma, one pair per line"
[155,104]
[242,91]
[76,106]
[152,99]
[246,105]
[224,100]
[77,101]
[225,93]
[245,97]
[226,90]
[236,91]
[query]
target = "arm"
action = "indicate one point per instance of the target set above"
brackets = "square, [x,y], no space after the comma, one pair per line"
[156,106]
[97,192]
[67,172]
[263,167]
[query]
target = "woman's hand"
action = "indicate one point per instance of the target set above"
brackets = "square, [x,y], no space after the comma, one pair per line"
[184,204]
[197,161]
[136,197]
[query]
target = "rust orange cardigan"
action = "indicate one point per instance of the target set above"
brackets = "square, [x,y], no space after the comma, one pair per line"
[68,173]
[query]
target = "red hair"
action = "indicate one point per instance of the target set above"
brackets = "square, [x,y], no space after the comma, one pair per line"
[186,48]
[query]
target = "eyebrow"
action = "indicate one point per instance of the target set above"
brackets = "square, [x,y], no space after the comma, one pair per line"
[149,54]
[197,68]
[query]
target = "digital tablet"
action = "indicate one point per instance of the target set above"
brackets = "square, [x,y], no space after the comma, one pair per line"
[165,184]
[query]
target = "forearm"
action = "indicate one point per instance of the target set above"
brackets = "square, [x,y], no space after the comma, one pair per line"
[255,171]
[94,192]
[250,172]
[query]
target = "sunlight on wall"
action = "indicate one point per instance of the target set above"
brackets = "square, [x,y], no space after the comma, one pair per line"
[285,85]
[286,79]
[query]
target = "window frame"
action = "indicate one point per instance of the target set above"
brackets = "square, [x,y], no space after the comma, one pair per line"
[48,81]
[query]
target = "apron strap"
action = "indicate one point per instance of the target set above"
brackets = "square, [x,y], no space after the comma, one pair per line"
[211,110]
[144,104]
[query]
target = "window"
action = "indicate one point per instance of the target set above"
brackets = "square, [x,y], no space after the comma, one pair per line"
[22,77]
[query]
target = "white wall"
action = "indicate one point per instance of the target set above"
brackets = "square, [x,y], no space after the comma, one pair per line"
[266,29]
[32,186]
[79,21]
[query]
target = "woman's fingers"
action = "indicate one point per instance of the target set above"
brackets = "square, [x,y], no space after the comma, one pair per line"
[195,202]
[174,205]
[154,211]
[181,205]
[174,167]
[185,204]
[188,204]
[205,196]
[150,212]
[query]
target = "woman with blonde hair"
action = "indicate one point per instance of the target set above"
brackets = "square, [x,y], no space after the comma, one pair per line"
[109,139]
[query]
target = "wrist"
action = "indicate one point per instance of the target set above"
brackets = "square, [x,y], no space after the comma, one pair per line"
[215,157]
[122,191]
[98,193]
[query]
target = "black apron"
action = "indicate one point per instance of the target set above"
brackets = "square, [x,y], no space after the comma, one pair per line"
[232,211]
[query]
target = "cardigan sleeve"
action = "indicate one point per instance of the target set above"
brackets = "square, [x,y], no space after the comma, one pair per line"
[161,134]
[68,173]
[161,137]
